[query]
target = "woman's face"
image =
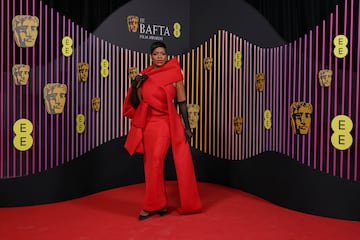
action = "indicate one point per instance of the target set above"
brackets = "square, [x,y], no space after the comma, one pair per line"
[159,57]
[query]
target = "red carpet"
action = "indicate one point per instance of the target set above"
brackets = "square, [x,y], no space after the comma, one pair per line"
[112,215]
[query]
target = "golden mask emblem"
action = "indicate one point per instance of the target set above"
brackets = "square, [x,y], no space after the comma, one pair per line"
[55,97]
[83,71]
[95,104]
[193,114]
[238,125]
[325,77]
[133,72]
[208,62]
[259,82]
[300,116]
[25,30]
[20,74]
[133,23]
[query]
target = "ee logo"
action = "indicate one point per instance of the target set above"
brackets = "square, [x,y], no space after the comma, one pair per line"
[177,31]
[238,60]
[341,138]
[267,119]
[104,68]
[340,42]
[67,43]
[23,139]
[80,123]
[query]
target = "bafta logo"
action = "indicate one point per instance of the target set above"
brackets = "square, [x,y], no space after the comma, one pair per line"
[259,82]
[83,71]
[300,116]
[25,30]
[193,114]
[133,72]
[208,62]
[20,74]
[238,125]
[325,77]
[55,97]
[95,104]
[133,23]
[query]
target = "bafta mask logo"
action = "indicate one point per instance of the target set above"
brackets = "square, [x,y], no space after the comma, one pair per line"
[238,125]
[325,77]
[208,62]
[55,97]
[259,82]
[133,23]
[25,30]
[83,71]
[300,114]
[95,104]
[133,72]
[20,74]
[193,112]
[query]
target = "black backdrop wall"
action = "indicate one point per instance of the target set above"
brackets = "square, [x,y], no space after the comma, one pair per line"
[290,19]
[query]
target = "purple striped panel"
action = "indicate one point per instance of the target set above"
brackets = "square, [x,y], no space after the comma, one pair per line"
[315,114]
[343,80]
[2,124]
[277,93]
[311,82]
[305,137]
[245,99]
[33,80]
[267,98]
[117,96]
[271,97]
[281,80]
[63,82]
[293,80]
[288,152]
[13,100]
[227,100]
[252,104]
[115,109]
[299,83]
[356,140]
[222,94]
[69,99]
[284,107]
[322,97]
[101,121]
[230,67]
[75,90]
[7,143]
[237,97]
[330,43]
[56,154]
[336,86]
[51,79]
[350,96]
[122,120]
[242,100]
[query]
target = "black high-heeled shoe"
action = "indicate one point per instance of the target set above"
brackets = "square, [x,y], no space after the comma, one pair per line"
[162,211]
[144,216]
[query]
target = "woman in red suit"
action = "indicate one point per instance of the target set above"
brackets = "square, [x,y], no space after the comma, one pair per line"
[155,126]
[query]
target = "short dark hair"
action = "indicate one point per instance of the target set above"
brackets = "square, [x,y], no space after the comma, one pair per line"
[156,45]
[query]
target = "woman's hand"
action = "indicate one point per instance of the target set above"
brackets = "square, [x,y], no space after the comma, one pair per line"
[188,134]
[139,79]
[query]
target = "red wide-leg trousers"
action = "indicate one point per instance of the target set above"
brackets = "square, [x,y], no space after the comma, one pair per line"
[156,144]
[157,139]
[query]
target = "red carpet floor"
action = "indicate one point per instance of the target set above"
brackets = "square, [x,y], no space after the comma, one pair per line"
[112,215]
